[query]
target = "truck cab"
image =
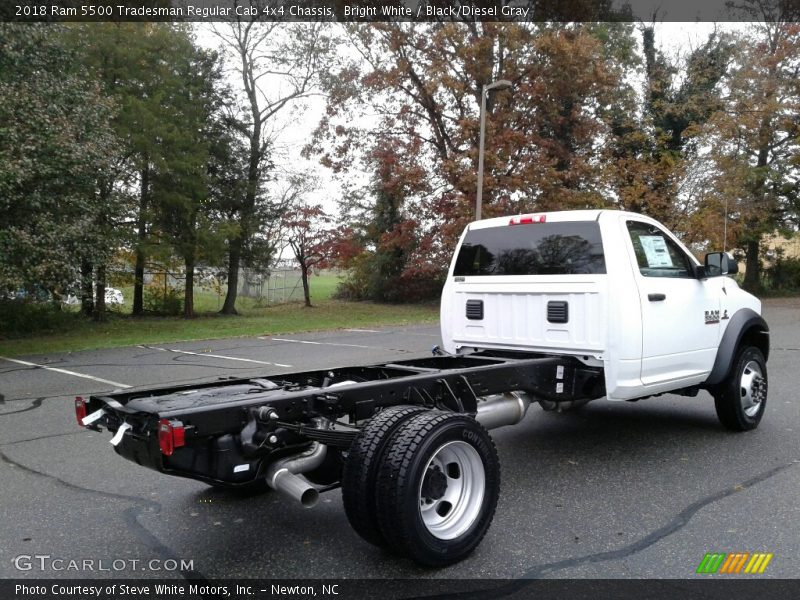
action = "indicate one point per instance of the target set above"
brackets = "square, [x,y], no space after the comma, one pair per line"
[612,289]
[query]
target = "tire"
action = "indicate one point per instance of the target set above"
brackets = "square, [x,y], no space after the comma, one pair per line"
[740,400]
[437,488]
[361,468]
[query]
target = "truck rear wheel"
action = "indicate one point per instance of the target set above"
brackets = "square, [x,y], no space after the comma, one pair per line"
[437,488]
[361,467]
[740,399]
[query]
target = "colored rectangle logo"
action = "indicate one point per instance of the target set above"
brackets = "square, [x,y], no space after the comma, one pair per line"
[734,563]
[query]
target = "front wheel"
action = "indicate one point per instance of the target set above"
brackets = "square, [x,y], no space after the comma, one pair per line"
[437,488]
[740,399]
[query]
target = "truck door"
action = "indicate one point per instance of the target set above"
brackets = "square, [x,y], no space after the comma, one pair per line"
[680,313]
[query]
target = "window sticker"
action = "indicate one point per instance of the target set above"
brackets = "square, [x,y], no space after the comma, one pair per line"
[655,249]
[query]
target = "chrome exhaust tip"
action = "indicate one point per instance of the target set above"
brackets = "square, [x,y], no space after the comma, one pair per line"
[282,475]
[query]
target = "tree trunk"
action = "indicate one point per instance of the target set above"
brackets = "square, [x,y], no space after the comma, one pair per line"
[87,301]
[248,206]
[752,276]
[138,273]
[188,295]
[237,244]
[246,291]
[99,313]
[234,254]
[304,277]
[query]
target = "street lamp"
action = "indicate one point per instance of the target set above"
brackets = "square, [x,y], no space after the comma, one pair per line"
[500,84]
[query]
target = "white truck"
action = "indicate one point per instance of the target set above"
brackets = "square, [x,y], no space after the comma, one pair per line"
[558,308]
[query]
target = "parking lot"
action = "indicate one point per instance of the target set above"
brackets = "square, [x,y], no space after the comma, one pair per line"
[616,490]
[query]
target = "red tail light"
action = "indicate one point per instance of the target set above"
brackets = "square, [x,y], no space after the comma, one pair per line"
[171,435]
[527,219]
[80,409]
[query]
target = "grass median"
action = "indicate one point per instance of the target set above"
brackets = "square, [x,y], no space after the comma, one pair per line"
[74,332]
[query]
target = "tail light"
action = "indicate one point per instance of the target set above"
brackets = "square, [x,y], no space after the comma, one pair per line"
[80,409]
[527,219]
[171,435]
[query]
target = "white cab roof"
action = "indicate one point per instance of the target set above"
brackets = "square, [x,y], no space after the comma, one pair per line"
[553,217]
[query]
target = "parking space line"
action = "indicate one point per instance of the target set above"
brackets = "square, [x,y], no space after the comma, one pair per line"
[363,330]
[250,360]
[65,372]
[322,343]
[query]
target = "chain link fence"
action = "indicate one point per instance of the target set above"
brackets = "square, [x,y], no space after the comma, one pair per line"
[276,286]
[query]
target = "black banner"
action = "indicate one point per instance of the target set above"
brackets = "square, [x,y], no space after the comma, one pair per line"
[735,588]
[381,10]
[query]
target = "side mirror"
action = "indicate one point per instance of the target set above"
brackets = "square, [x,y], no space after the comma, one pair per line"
[720,263]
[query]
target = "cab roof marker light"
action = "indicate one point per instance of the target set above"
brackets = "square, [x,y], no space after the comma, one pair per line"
[527,219]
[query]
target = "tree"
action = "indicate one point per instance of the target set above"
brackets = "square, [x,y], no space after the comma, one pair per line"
[277,66]
[756,139]
[311,239]
[181,188]
[133,62]
[423,84]
[55,143]
[385,267]
[166,92]
[653,144]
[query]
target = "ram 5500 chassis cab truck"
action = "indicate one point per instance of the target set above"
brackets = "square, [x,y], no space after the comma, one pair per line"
[558,308]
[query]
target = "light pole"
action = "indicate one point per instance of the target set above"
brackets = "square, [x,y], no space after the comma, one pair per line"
[500,84]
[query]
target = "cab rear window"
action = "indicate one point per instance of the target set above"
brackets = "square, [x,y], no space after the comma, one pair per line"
[569,248]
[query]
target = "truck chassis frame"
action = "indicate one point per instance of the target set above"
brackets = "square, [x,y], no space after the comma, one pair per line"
[273,416]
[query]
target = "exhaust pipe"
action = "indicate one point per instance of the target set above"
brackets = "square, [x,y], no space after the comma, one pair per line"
[502,409]
[282,474]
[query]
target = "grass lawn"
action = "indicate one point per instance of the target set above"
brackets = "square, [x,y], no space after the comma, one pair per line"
[77,333]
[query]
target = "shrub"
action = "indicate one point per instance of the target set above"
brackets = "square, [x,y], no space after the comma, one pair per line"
[373,276]
[23,317]
[162,301]
[784,275]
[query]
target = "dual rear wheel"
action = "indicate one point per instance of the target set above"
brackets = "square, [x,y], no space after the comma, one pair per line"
[422,483]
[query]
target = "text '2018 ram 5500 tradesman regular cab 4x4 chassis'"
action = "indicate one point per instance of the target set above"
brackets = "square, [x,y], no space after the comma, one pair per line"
[558,308]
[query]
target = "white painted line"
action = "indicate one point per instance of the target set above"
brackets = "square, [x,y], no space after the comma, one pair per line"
[363,330]
[326,343]
[65,372]
[250,360]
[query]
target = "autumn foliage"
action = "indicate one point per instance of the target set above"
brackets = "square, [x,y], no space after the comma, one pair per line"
[425,83]
[169,160]
[598,116]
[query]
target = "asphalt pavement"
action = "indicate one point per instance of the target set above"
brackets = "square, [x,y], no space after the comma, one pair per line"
[615,490]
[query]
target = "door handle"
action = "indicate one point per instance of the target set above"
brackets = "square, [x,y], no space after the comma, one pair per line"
[656,297]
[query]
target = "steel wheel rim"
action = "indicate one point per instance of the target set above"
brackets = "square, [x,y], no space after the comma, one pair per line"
[452,514]
[752,388]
